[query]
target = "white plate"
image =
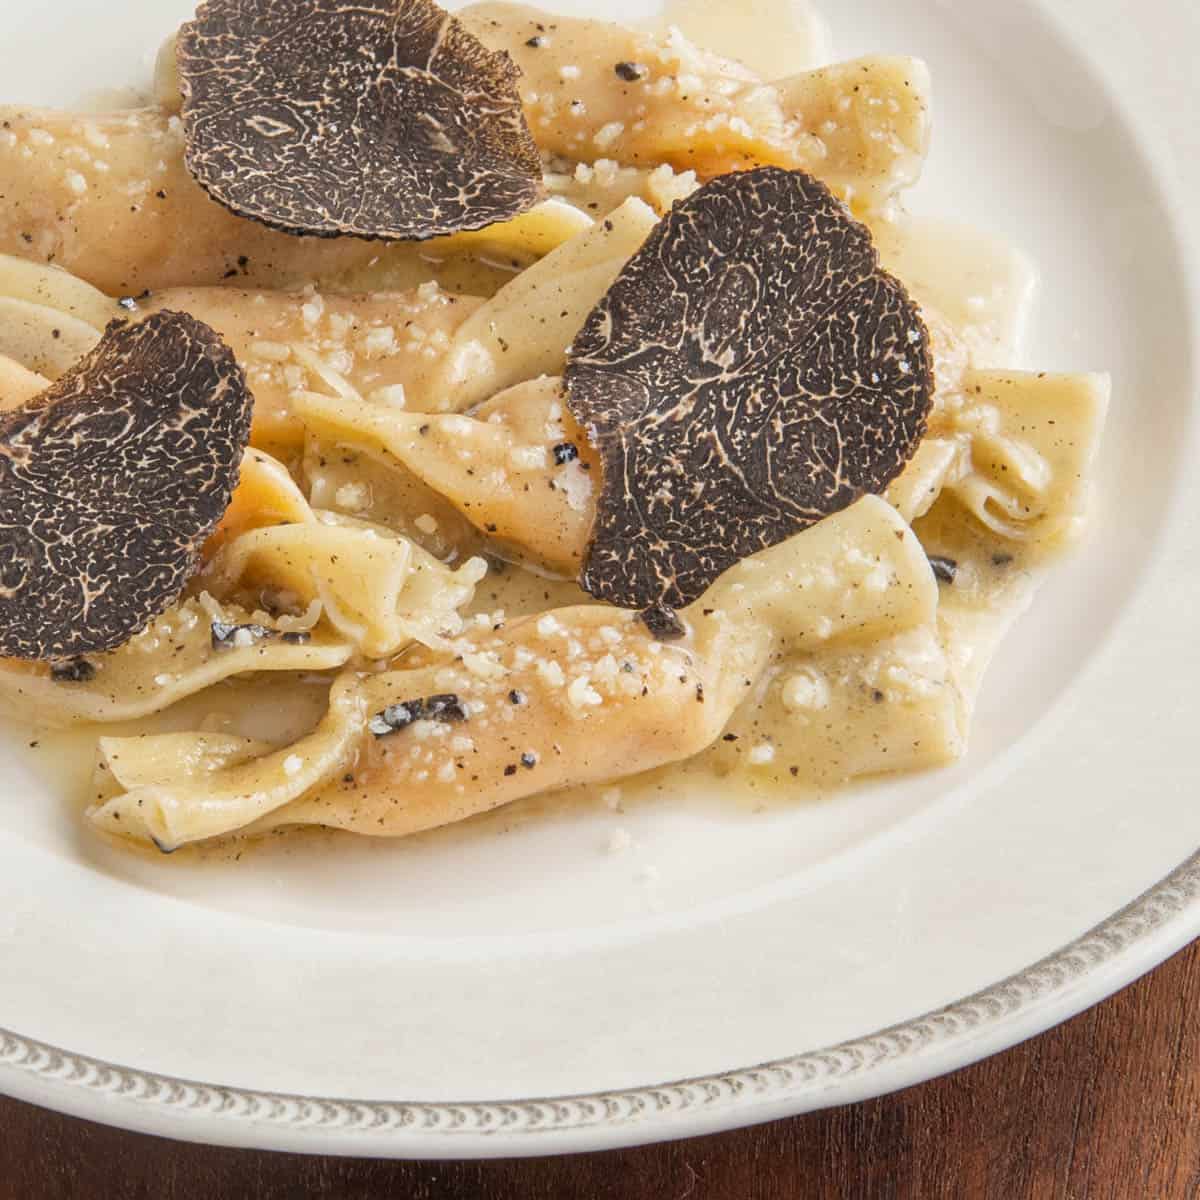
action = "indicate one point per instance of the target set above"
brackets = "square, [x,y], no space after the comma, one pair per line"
[509,987]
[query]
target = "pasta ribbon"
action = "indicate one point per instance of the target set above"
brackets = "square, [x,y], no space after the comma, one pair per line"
[597,91]
[107,197]
[571,696]
[376,589]
[525,329]
[1033,437]
[42,339]
[822,719]
[18,385]
[386,345]
[499,468]
[176,656]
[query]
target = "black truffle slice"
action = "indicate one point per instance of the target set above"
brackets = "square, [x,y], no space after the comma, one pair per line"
[751,371]
[111,480]
[373,119]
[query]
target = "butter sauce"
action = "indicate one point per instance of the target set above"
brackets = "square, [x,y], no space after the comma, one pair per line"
[774,38]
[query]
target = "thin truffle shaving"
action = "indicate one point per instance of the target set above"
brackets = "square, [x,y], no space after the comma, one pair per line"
[110,481]
[751,371]
[373,119]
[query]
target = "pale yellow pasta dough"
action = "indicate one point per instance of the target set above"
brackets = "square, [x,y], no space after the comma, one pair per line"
[107,197]
[497,468]
[524,330]
[173,658]
[554,695]
[371,586]
[376,589]
[42,339]
[52,287]
[387,344]
[18,384]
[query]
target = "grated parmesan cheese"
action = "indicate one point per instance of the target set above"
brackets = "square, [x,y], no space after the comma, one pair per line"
[762,754]
[581,694]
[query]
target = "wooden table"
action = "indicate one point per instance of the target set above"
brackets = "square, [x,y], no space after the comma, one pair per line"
[1104,1108]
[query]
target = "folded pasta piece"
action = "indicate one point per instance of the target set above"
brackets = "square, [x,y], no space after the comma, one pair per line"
[992,581]
[859,683]
[387,344]
[824,719]
[979,284]
[517,242]
[597,90]
[369,485]
[182,755]
[919,485]
[524,330]
[1016,447]
[860,575]
[203,800]
[265,495]
[18,384]
[1001,492]
[520,469]
[107,197]
[1029,443]
[477,263]
[42,339]
[190,647]
[871,117]
[52,287]
[572,696]
[517,716]
[583,81]
[377,590]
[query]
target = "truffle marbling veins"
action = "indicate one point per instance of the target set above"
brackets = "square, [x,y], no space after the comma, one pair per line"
[375,119]
[110,481]
[751,371]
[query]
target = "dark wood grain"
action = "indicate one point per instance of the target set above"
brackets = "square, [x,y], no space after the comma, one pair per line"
[1106,1107]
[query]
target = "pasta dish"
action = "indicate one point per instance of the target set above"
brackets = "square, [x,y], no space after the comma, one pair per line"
[519,402]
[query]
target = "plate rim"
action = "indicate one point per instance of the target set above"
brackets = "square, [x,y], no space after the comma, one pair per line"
[1079,974]
[1108,956]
